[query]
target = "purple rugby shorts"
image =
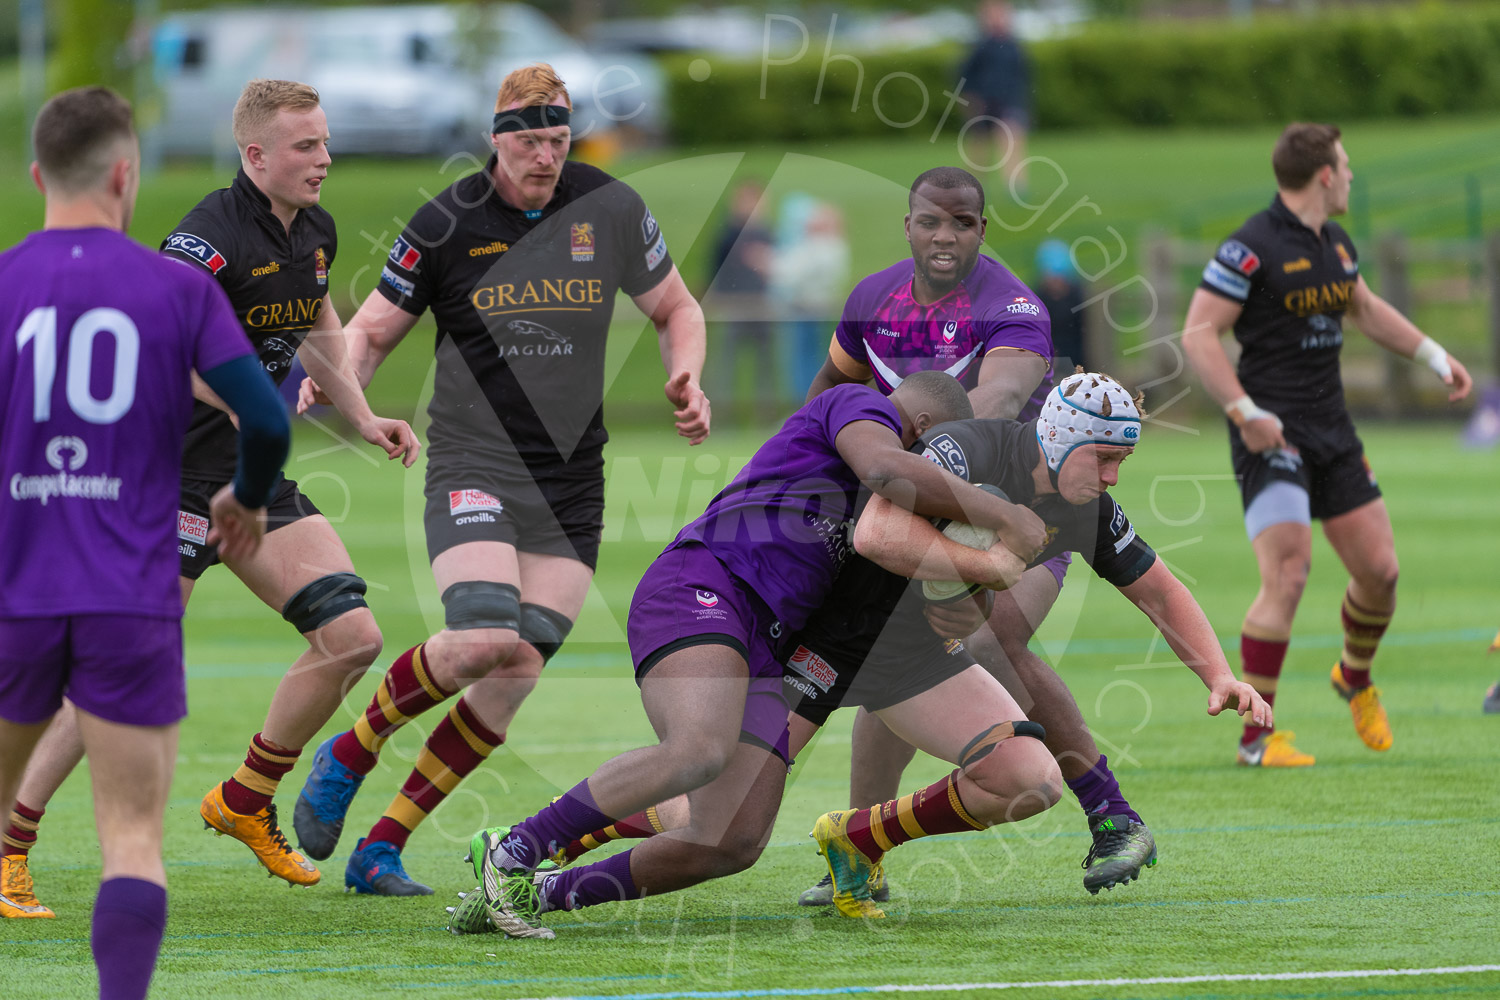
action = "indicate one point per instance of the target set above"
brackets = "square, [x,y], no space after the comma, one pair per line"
[688,598]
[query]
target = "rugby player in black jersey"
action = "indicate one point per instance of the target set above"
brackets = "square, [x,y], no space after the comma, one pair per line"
[520,264]
[270,245]
[1283,282]
[869,645]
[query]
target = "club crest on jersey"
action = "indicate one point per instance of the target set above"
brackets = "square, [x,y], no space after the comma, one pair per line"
[1350,267]
[199,249]
[950,330]
[465,501]
[1240,257]
[648,227]
[320,266]
[192,528]
[707,598]
[581,241]
[404,255]
[1021,304]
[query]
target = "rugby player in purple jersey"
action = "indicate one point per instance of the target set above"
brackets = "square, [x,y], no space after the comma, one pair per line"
[101,339]
[703,629]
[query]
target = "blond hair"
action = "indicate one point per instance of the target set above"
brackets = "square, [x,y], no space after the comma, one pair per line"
[260,100]
[529,86]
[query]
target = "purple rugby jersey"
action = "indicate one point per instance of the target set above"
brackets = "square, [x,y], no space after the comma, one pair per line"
[782,525]
[885,330]
[99,337]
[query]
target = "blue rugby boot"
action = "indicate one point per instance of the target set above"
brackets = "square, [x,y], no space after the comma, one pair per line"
[318,818]
[376,869]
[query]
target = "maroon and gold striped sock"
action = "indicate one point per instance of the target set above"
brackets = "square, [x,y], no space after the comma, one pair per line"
[458,745]
[20,832]
[254,784]
[1262,653]
[933,810]
[1363,629]
[638,827]
[405,692]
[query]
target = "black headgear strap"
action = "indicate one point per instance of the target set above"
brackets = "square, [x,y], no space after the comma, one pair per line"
[533,117]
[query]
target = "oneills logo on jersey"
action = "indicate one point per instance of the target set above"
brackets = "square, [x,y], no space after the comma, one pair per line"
[270,268]
[499,246]
[1350,267]
[1293,266]
[293,314]
[320,266]
[199,249]
[404,255]
[581,241]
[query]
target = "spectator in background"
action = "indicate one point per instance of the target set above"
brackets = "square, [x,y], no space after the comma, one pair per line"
[737,300]
[996,80]
[1061,292]
[810,277]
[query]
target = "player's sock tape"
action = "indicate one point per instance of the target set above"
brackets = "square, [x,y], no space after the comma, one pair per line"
[981,746]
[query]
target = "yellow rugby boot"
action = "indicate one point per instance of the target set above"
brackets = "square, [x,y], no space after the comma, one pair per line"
[1274,750]
[16,896]
[1364,705]
[261,834]
[848,866]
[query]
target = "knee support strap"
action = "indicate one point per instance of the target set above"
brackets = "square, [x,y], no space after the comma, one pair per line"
[482,604]
[323,600]
[544,628]
[980,746]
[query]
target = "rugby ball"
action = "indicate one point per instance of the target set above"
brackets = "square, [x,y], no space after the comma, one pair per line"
[948,591]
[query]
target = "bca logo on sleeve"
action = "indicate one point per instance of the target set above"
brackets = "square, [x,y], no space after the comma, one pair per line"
[404,255]
[1240,257]
[199,249]
[949,454]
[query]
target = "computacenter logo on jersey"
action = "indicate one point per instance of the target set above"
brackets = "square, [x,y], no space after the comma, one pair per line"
[473,506]
[581,241]
[812,666]
[63,483]
[199,249]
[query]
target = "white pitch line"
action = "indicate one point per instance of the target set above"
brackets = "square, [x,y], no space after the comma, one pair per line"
[1243,977]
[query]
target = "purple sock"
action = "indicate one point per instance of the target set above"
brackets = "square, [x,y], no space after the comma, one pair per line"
[606,881]
[130,917]
[1099,793]
[534,840]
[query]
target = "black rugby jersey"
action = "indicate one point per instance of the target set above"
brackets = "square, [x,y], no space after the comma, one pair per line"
[523,306]
[1002,453]
[1295,286]
[276,281]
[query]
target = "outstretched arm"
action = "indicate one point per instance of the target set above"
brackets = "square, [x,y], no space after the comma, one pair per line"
[1384,324]
[682,337]
[326,357]
[1182,623]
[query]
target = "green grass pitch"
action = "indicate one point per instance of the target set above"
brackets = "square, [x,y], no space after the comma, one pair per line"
[1363,862]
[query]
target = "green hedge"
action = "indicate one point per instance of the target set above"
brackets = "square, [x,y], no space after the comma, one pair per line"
[1155,73]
